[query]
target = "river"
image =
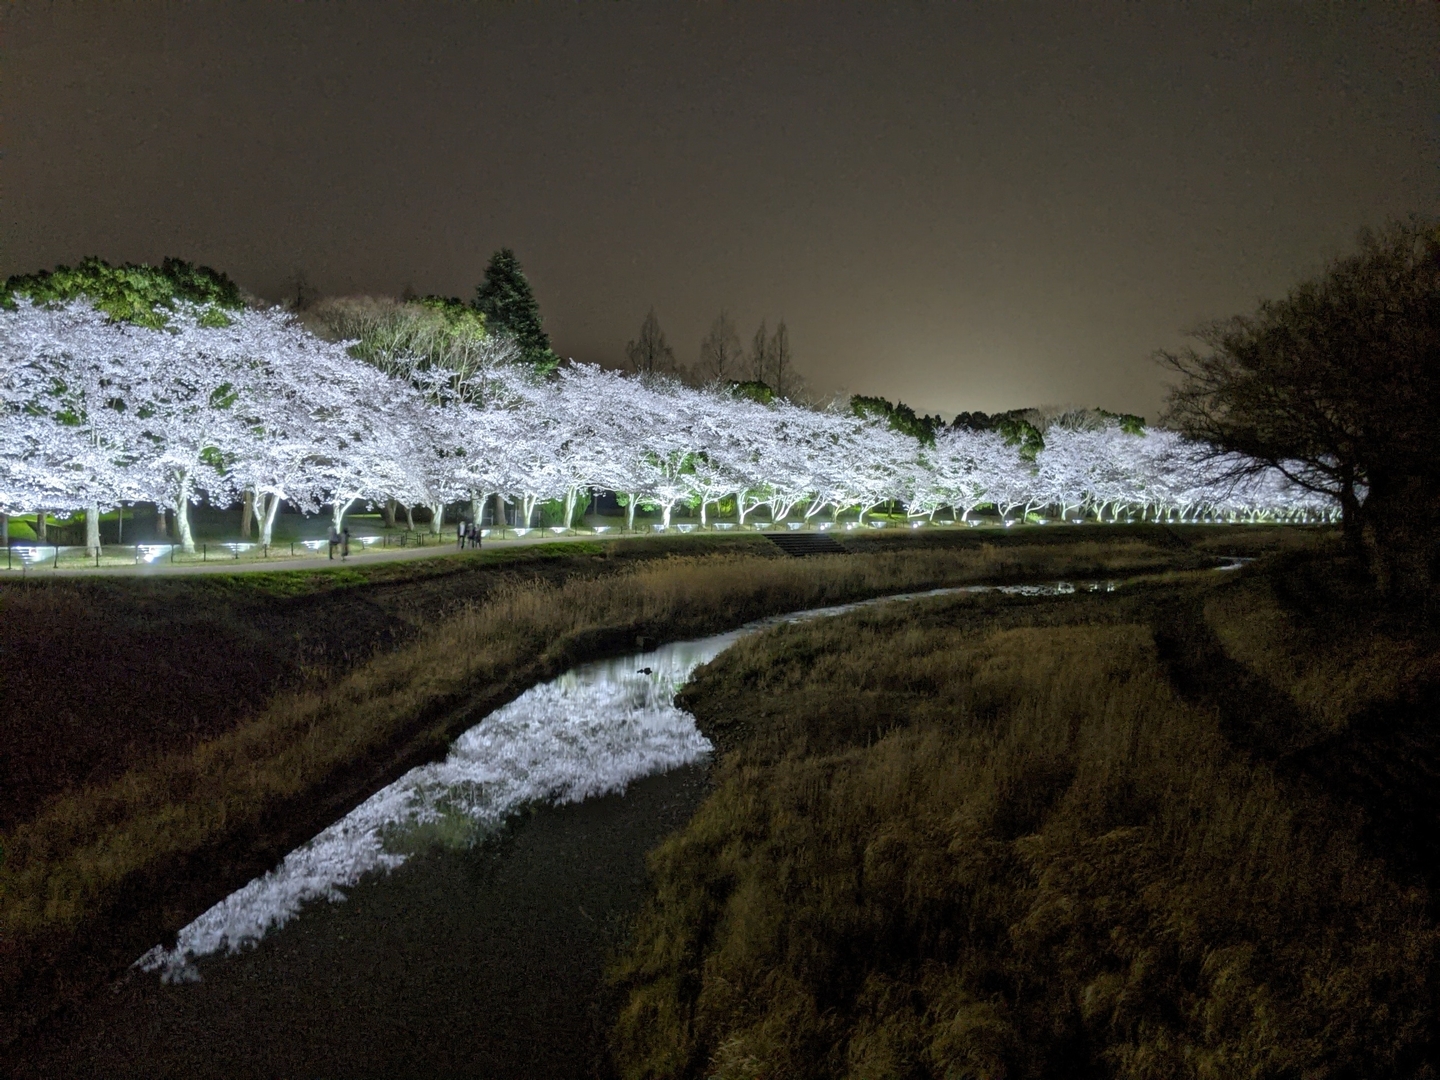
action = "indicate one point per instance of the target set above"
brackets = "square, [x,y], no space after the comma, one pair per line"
[457,922]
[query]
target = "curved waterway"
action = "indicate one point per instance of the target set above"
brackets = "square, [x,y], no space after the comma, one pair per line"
[592,731]
[476,890]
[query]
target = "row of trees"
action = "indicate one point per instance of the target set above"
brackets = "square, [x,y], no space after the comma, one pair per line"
[766,370]
[210,398]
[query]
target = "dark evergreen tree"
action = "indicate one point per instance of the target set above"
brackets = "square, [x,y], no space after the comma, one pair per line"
[509,307]
[1018,426]
[899,416]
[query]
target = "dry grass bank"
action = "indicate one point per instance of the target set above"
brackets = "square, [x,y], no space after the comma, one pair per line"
[105,673]
[274,779]
[984,839]
[1323,641]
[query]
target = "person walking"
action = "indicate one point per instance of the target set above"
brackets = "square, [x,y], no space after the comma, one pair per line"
[461,531]
[334,539]
[345,542]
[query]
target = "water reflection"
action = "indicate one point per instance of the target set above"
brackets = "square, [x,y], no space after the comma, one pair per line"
[594,730]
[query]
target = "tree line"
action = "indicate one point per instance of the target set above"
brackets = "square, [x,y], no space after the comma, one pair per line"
[208,399]
[145,384]
[766,370]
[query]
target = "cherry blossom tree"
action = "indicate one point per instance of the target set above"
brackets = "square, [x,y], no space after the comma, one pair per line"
[94,413]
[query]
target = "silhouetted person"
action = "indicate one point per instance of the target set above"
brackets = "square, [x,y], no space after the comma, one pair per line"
[334,539]
[345,543]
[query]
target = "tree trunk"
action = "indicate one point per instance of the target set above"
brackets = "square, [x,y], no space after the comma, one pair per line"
[269,505]
[630,514]
[182,522]
[1352,524]
[338,509]
[92,531]
[5,529]
[40,529]
[437,517]
[247,510]
[1401,519]
[409,517]
[389,513]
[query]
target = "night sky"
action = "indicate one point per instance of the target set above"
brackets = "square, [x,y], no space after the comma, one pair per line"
[962,206]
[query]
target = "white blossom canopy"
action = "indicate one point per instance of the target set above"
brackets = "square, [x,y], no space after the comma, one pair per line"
[94,413]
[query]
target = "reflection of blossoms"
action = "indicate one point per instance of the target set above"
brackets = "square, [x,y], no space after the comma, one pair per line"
[96,413]
[592,731]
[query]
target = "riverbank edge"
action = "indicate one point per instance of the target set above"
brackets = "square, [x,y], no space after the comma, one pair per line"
[46,975]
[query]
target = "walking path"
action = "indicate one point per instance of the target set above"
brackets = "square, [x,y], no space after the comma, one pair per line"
[154,560]
[220,559]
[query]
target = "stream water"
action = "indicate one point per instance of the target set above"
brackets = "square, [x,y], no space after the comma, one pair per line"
[475,890]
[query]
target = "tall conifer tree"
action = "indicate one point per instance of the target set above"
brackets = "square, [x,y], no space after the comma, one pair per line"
[508,304]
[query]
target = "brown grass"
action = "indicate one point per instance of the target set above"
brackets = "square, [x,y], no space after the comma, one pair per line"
[65,865]
[967,839]
[1329,648]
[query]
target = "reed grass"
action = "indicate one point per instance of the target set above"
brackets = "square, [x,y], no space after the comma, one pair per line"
[1323,641]
[959,841]
[65,866]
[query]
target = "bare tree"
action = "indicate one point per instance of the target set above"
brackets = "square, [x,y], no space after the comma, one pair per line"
[771,362]
[759,358]
[650,352]
[301,295]
[782,363]
[720,352]
[1335,387]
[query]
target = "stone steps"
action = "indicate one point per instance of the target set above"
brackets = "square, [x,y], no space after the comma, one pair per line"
[806,543]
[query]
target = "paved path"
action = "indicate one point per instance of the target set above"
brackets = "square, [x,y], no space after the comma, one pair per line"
[221,561]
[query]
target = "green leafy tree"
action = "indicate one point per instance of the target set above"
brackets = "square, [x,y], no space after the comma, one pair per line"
[134,293]
[753,389]
[508,304]
[899,416]
[1129,423]
[1018,426]
[409,338]
[1018,431]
